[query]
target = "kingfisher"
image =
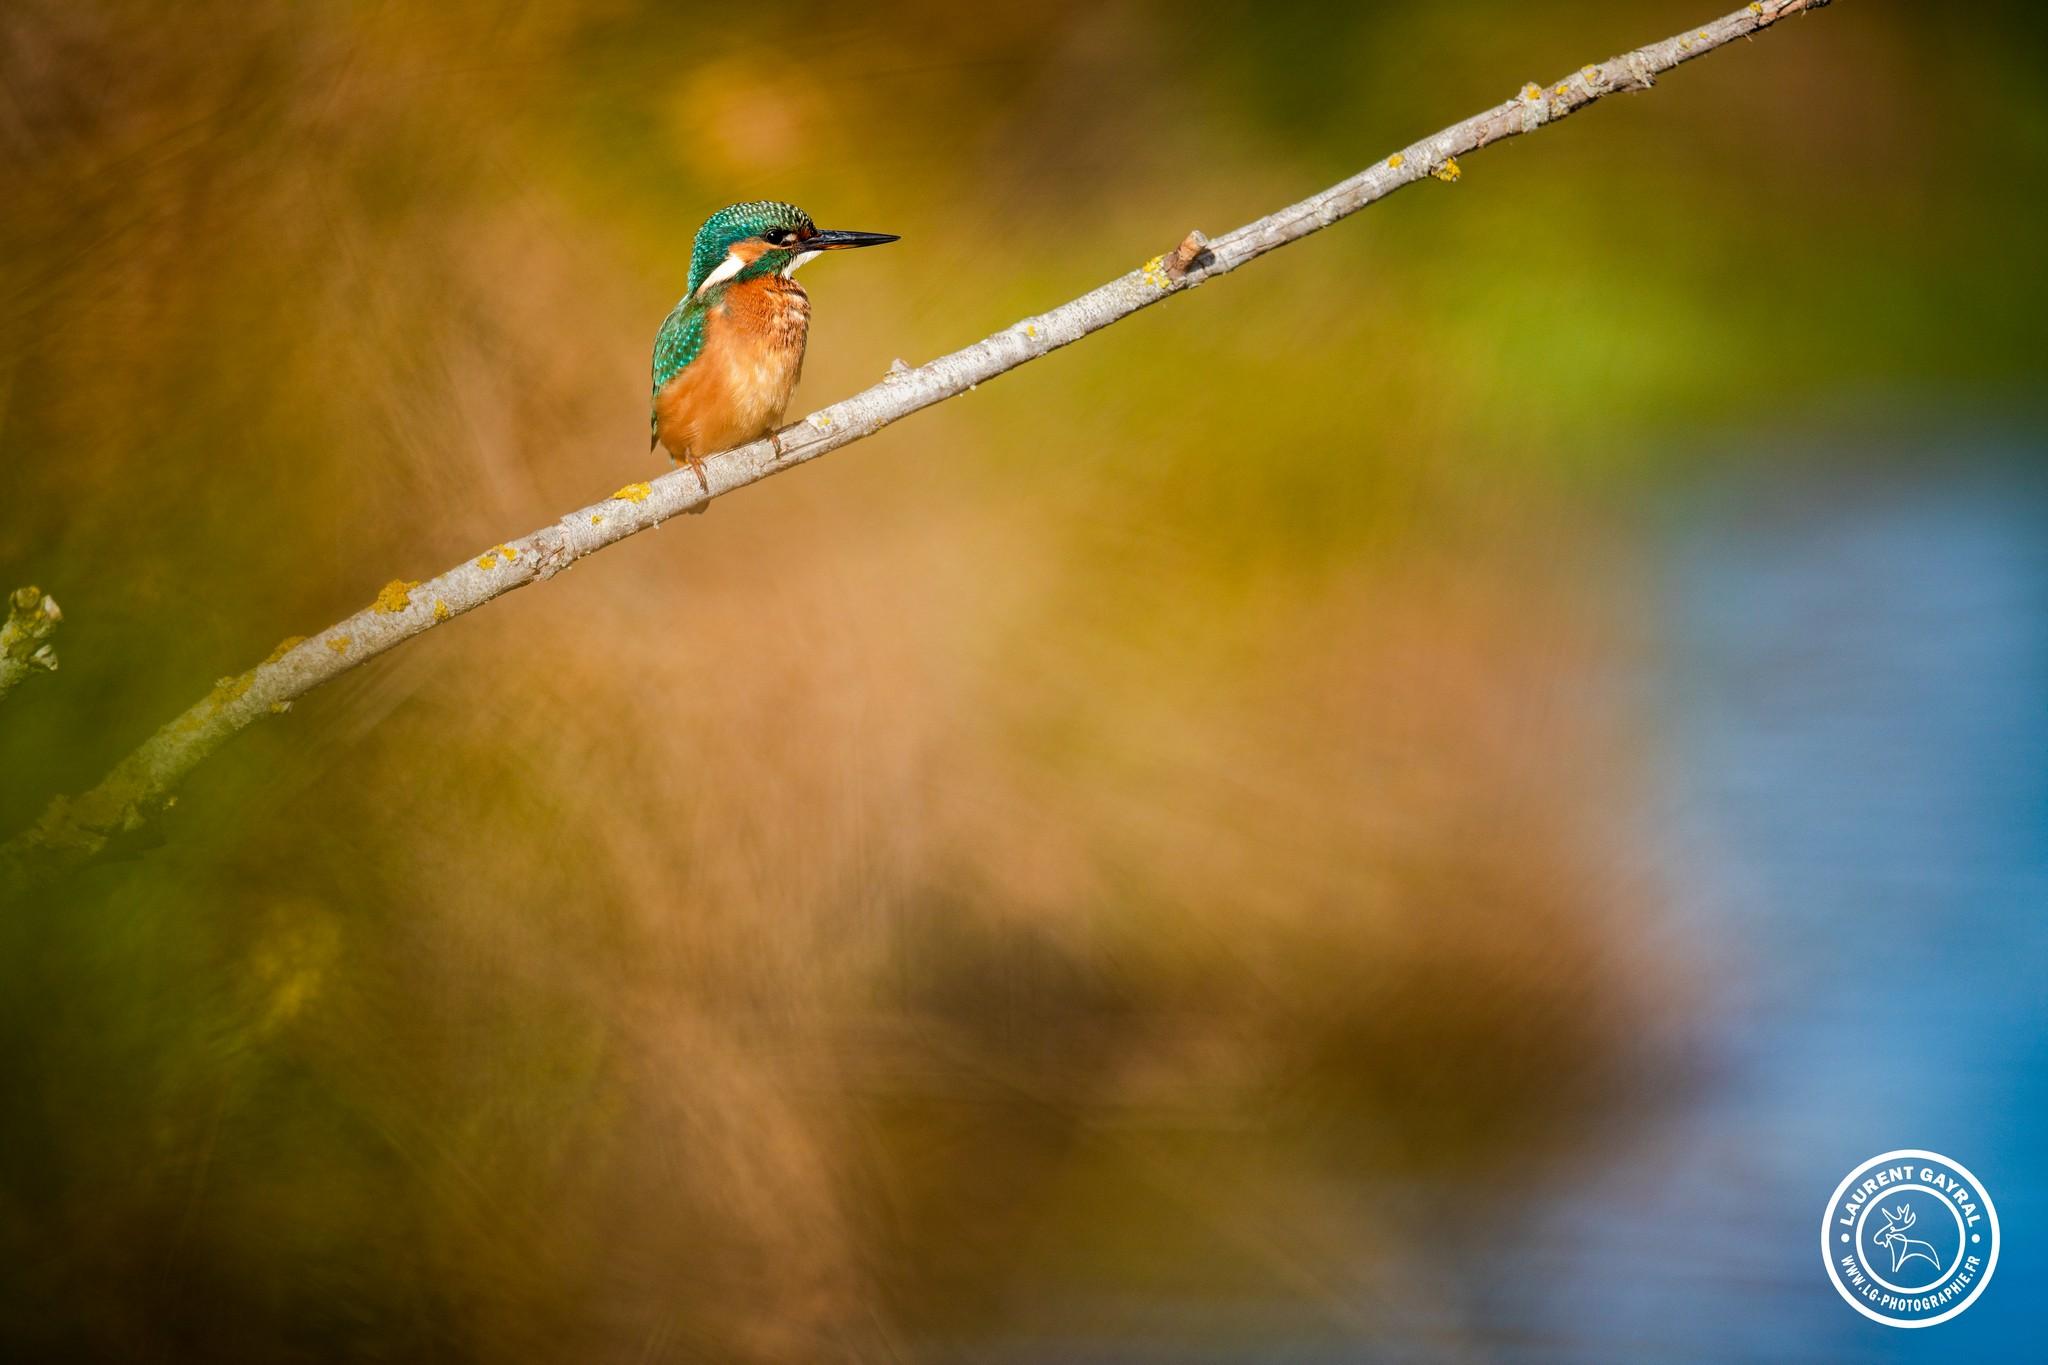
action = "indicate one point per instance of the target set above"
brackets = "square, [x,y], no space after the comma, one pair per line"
[727,357]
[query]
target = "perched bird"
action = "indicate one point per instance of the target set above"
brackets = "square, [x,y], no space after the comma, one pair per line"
[727,358]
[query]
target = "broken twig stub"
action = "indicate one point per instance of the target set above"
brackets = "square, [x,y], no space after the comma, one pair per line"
[25,647]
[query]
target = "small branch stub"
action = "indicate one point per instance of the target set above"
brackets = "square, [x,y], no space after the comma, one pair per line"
[32,618]
[1187,255]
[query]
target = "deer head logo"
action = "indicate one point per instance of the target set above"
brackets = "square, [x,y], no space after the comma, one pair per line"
[1892,1237]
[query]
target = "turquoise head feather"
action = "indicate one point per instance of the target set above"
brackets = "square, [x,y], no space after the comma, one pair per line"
[781,227]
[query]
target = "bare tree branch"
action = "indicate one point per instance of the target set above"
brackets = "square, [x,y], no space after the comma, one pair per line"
[32,618]
[72,829]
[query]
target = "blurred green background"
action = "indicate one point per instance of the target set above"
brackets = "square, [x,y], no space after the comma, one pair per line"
[1014,879]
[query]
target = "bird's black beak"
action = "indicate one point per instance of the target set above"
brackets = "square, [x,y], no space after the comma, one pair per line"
[840,241]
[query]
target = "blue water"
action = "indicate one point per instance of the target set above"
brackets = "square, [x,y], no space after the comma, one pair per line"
[1851,710]
[1855,703]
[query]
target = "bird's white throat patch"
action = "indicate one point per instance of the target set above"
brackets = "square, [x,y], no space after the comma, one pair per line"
[727,268]
[734,263]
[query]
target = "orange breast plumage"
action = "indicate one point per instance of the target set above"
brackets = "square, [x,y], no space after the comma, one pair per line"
[739,386]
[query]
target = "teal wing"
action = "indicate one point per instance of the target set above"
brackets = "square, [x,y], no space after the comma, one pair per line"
[680,341]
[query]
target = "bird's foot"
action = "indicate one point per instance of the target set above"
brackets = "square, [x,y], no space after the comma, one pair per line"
[697,468]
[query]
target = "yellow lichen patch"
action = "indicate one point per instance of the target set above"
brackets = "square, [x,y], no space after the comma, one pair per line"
[284,647]
[487,560]
[509,553]
[1532,91]
[1755,8]
[633,492]
[441,612]
[597,518]
[1155,273]
[395,596]
[228,689]
[1397,161]
[278,708]
[1030,330]
[1448,172]
[339,644]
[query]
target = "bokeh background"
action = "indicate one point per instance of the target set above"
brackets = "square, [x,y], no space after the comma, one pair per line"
[1426,801]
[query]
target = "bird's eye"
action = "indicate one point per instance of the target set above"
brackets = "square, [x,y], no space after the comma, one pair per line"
[779,237]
